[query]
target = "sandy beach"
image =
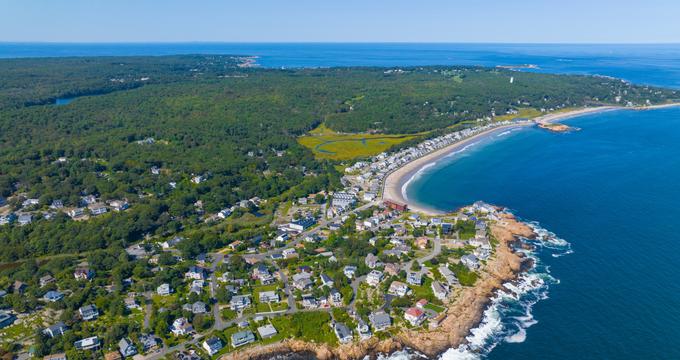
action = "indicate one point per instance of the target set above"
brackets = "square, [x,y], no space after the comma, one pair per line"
[395,182]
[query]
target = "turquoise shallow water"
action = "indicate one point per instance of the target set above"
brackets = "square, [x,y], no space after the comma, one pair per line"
[611,190]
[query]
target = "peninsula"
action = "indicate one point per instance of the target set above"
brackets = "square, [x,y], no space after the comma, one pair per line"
[200,206]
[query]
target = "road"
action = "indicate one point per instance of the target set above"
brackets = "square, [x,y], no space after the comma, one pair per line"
[217,258]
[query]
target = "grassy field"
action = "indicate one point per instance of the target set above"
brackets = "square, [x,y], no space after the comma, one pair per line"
[527,113]
[327,144]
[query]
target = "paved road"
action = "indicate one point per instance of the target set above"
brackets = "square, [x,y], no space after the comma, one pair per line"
[436,250]
[355,290]
[220,324]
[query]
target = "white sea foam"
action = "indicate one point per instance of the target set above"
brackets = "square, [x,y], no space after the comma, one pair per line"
[507,132]
[427,166]
[414,177]
[517,337]
[509,314]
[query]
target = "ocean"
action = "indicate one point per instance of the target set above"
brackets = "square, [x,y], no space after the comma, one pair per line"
[604,286]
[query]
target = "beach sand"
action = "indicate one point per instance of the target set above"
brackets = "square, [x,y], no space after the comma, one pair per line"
[395,182]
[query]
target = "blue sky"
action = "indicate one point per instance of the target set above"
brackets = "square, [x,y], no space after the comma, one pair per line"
[579,21]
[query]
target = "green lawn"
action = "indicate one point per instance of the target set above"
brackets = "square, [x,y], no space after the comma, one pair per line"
[327,144]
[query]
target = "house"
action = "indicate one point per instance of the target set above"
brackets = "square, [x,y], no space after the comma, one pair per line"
[19,287]
[198,179]
[414,316]
[374,277]
[88,312]
[47,279]
[196,287]
[59,356]
[55,330]
[7,219]
[131,303]
[6,319]
[87,343]
[127,347]
[53,296]
[395,206]
[447,228]
[450,277]
[398,288]
[25,219]
[302,224]
[196,273]
[164,289]
[30,202]
[440,292]
[168,244]
[119,205]
[336,297]
[269,297]
[213,345]
[199,307]
[224,213]
[302,283]
[260,271]
[349,271]
[83,274]
[470,261]
[283,237]
[309,302]
[239,302]
[414,278]
[181,326]
[371,261]
[242,338]
[420,304]
[391,269]
[326,280]
[76,212]
[266,331]
[342,332]
[97,209]
[380,320]
[363,329]
[289,253]
[148,342]
[421,242]
[342,200]
[369,196]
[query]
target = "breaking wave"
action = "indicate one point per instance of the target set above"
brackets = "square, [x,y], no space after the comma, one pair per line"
[509,314]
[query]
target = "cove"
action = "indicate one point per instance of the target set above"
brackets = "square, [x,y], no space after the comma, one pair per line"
[611,190]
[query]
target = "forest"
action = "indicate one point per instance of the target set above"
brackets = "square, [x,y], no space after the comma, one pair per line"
[235,126]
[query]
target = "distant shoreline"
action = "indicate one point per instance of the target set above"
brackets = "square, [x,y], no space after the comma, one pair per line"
[397,182]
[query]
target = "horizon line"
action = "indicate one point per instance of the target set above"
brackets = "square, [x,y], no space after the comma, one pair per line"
[331,42]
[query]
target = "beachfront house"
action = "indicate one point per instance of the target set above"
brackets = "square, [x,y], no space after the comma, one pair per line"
[414,316]
[380,320]
[342,332]
[213,345]
[440,292]
[242,338]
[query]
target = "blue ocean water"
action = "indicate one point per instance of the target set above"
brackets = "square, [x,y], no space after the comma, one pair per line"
[610,190]
[649,64]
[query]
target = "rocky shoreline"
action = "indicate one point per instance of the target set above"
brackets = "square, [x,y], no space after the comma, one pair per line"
[463,313]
